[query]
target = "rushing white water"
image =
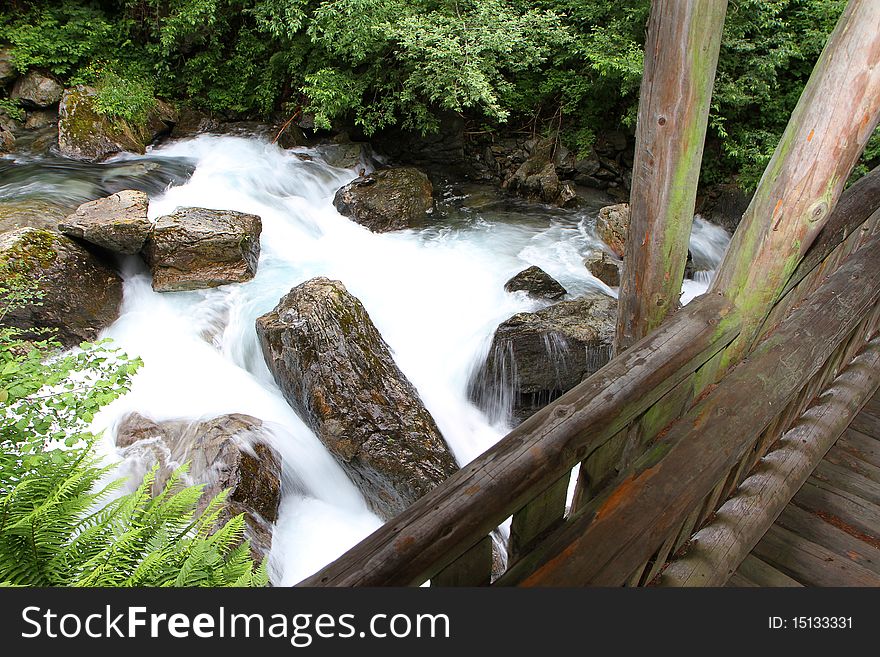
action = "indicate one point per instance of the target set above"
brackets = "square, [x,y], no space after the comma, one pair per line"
[435,294]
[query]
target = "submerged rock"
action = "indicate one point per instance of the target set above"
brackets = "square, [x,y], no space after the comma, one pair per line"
[80,294]
[226,452]
[195,248]
[612,225]
[538,283]
[388,199]
[118,222]
[30,213]
[85,134]
[603,267]
[338,374]
[35,89]
[536,357]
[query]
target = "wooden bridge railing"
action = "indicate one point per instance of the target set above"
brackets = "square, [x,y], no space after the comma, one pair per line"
[669,428]
[624,532]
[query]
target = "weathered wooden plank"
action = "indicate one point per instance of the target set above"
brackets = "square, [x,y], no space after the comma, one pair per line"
[717,549]
[861,446]
[612,535]
[846,511]
[827,131]
[681,52]
[441,525]
[763,574]
[855,207]
[848,481]
[738,581]
[841,457]
[810,563]
[813,528]
[473,568]
[537,517]
[866,424]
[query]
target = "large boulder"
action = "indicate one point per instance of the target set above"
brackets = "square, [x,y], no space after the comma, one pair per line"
[536,357]
[35,89]
[7,70]
[347,155]
[80,294]
[537,283]
[226,452]
[195,248]
[85,134]
[612,225]
[388,199]
[7,139]
[338,374]
[118,223]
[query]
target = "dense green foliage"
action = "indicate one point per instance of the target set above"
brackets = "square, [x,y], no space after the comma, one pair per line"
[568,65]
[61,522]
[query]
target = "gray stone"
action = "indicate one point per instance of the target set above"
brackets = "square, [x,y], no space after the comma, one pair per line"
[195,248]
[118,222]
[612,225]
[38,119]
[35,89]
[337,372]
[536,357]
[537,283]
[603,267]
[230,452]
[388,199]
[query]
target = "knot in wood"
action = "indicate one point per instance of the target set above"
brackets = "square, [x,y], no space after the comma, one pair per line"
[661,120]
[818,211]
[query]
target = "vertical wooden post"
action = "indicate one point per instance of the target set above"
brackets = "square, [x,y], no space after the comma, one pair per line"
[681,53]
[836,114]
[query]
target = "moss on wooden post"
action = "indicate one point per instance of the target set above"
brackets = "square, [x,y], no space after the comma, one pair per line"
[681,53]
[828,130]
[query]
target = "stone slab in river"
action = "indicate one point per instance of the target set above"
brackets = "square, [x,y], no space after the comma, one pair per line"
[118,222]
[338,373]
[536,357]
[195,248]
[229,451]
[387,199]
[81,295]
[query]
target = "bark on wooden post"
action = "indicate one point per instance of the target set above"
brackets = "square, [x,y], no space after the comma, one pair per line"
[681,52]
[836,114]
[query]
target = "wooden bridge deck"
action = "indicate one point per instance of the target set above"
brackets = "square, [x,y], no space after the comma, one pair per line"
[829,534]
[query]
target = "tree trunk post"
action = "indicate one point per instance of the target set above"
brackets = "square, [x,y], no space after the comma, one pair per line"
[836,114]
[681,53]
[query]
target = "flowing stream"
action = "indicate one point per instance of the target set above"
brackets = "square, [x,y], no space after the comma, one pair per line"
[436,294]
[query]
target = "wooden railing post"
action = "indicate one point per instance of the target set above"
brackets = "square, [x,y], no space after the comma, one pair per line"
[681,53]
[836,114]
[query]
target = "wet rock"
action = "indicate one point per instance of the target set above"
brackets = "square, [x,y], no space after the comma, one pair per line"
[538,283]
[39,119]
[226,452]
[603,267]
[349,155]
[118,223]
[30,213]
[191,122]
[196,248]
[80,294]
[386,200]
[612,225]
[35,89]
[337,372]
[84,134]
[724,205]
[290,136]
[7,140]
[7,70]
[536,357]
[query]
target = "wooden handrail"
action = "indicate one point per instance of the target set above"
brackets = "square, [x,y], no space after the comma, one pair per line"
[463,510]
[617,532]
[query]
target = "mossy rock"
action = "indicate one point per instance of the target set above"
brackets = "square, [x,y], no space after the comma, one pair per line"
[85,134]
[30,213]
[79,294]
